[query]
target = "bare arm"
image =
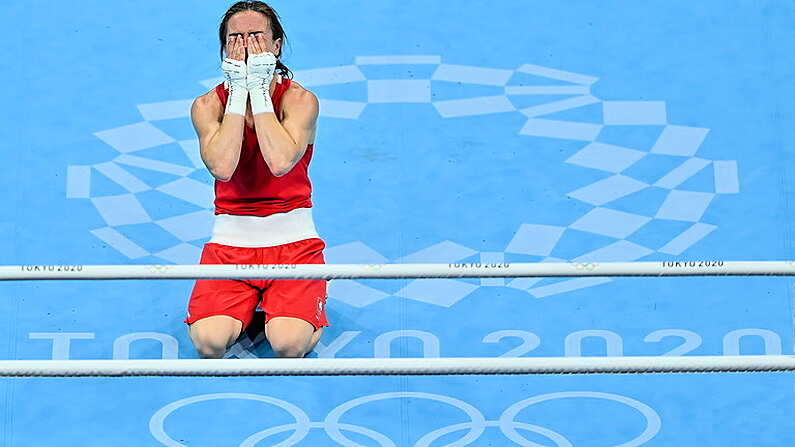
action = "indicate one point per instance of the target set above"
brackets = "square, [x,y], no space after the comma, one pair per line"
[220,136]
[283,143]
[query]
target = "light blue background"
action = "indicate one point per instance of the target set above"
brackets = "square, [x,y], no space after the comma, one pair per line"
[400,179]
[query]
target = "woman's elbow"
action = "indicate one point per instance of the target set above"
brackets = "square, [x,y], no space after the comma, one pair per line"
[280,170]
[282,167]
[220,174]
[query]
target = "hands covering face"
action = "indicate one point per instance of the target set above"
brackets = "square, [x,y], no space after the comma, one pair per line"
[253,75]
[256,43]
[260,65]
[236,46]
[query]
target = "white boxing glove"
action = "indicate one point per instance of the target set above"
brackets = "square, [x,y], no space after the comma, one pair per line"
[235,73]
[260,73]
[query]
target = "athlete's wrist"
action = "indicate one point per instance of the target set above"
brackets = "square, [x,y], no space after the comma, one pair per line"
[236,102]
[235,74]
[260,74]
[261,100]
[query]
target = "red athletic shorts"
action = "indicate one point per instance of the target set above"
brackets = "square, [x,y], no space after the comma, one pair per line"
[297,298]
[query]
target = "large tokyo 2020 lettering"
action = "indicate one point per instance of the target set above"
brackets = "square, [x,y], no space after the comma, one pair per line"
[735,342]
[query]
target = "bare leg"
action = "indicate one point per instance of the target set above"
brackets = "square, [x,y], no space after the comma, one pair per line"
[212,335]
[291,337]
[314,340]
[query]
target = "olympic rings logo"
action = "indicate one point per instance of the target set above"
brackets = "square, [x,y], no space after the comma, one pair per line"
[374,267]
[586,266]
[474,429]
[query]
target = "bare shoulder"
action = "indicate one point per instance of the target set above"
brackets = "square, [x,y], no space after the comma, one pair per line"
[206,103]
[298,96]
[206,113]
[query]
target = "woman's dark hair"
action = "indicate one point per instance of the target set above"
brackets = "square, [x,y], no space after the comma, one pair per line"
[276,28]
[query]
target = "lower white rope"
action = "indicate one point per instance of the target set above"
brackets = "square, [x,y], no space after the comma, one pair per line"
[361,271]
[396,366]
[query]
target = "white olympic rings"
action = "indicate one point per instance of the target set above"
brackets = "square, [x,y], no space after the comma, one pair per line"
[477,425]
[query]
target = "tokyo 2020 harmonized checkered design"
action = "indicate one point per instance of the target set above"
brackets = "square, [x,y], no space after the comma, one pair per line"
[680,143]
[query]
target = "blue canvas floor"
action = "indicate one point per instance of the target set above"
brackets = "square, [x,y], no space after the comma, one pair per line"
[449,132]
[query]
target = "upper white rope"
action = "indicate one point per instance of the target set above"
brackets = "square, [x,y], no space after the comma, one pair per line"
[395,366]
[360,271]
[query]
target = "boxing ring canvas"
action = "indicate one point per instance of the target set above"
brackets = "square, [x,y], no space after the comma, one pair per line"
[464,133]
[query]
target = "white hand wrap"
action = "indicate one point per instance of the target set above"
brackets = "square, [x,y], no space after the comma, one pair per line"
[235,73]
[260,73]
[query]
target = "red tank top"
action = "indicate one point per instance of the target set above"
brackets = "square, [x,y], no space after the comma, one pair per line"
[253,190]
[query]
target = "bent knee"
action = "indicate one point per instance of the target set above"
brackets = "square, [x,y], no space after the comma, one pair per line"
[210,345]
[290,348]
[208,350]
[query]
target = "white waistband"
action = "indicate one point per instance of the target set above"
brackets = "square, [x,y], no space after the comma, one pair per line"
[263,231]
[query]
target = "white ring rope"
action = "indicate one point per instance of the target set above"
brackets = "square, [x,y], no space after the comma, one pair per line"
[360,271]
[396,366]
[423,366]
